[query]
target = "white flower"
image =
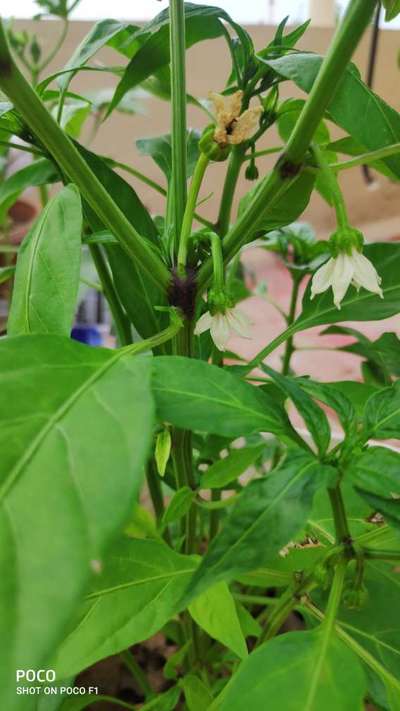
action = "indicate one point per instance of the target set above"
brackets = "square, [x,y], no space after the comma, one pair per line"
[345,269]
[223,325]
[232,126]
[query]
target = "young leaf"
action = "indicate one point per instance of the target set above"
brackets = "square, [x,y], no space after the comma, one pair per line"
[48,269]
[135,595]
[178,506]
[215,611]
[301,671]
[375,474]
[98,36]
[269,512]
[40,172]
[362,305]
[160,149]
[63,495]
[352,100]
[201,23]
[197,695]
[193,393]
[382,414]
[314,417]
[226,470]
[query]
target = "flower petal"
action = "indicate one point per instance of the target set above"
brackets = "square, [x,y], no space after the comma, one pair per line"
[239,322]
[220,331]
[203,324]
[365,274]
[322,278]
[342,277]
[227,108]
[245,126]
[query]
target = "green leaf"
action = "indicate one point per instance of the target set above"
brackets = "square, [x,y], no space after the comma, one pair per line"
[63,496]
[48,269]
[178,506]
[297,671]
[160,149]
[215,611]
[197,695]
[314,417]
[136,291]
[269,512]
[352,100]
[201,23]
[382,414]
[376,625]
[40,172]
[333,397]
[74,116]
[193,393]
[392,8]
[361,306]
[101,33]
[6,273]
[287,209]
[376,476]
[136,594]
[224,471]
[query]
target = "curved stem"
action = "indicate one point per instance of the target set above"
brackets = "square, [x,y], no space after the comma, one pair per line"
[188,216]
[334,188]
[289,348]
[232,176]
[275,343]
[366,158]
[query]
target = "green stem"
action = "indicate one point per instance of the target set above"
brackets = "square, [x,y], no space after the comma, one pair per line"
[218,262]
[178,103]
[60,147]
[149,344]
[188,216]
[290,348]
[121,321]
[375,554]
[334,188]
[343,535]
[19,147]
[137,673]
[335,595]
[275,343]
[366,158]
[232,176]
[372,536]
[154,486]
[278,182]
[265,152]
[255,599]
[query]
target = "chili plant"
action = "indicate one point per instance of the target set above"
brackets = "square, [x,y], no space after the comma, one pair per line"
[225,568]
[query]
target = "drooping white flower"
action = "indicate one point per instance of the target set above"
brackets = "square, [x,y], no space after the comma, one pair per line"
[234,127]
[342,271]
[223,325]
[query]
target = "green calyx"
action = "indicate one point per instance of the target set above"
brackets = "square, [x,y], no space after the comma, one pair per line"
[218,301]
[209,146]
[344,240]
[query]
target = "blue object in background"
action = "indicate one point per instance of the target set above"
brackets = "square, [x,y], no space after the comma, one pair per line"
[87,334]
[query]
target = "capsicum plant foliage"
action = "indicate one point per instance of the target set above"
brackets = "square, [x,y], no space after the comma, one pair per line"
[124,509]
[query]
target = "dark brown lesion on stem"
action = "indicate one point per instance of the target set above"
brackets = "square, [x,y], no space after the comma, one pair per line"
[182,292]
[286,168]
[5,67]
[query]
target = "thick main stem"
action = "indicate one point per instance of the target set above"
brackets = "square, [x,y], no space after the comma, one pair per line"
[231,179]
[277,183]
[62,150]
[178,103]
